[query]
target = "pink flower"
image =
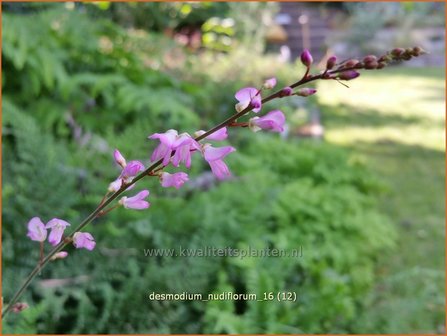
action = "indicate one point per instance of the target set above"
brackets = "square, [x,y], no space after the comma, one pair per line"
[57,227]
[248,96]
[219,135]
[306,58]
[164,149]
[270,83]
[131,170]
[84,240]
[136,202]
[214,156]
[175,180]
[119,159]
[184,145]
[60,255]
[305,92]
[274,121]
[36,230]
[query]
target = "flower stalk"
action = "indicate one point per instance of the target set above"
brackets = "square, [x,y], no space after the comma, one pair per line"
[249,100]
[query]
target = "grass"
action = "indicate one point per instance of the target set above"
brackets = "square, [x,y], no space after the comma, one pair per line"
[394,121]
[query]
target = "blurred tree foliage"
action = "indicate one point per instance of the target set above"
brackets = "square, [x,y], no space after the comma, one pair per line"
[75,88]
[368,18]
[159,16]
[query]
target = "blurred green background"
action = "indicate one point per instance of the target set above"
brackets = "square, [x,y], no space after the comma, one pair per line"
[366,202]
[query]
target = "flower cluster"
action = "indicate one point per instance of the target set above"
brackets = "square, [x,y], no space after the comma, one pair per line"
[37,231]
[177,149]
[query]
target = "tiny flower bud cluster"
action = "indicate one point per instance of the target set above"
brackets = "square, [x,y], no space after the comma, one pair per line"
[347,69]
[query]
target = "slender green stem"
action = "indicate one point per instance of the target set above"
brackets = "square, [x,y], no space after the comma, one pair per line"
[147,172]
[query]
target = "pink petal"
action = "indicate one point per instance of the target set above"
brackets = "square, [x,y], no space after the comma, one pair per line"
[141,195]
[184,151]
[36,230]
[256,102]
[119,159]
[276,116]
[60,255]
[183,139]
[57,229]
[175,180]
[212,154]
[177,158]
[219,169]
[270,83]
[57,222]
[160,152]
[132,169]
[246,94]
[166,138]
[138,205]
[219,135]
[84,240]
[164,150]
[274,121]
[56,235]
[115,185]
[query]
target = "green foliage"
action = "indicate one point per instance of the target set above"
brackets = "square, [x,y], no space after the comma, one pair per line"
[70,77]
[368,18]
[330,216]
[35,168]
[97,90]
[27,322]
[160,16]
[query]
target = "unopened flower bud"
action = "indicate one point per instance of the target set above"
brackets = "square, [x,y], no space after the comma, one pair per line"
[417,51]
[19,306]
[351,63]
[59,255]
[306,58]
[381,65]
[397,52]
[369,58]
[331,62]
[119,158]
[270,83]
[371,65]
[385,58]
[348,75]
[406,56]
[305,92]
[287,91]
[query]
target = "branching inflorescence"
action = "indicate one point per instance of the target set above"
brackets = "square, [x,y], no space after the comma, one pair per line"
[176,149]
